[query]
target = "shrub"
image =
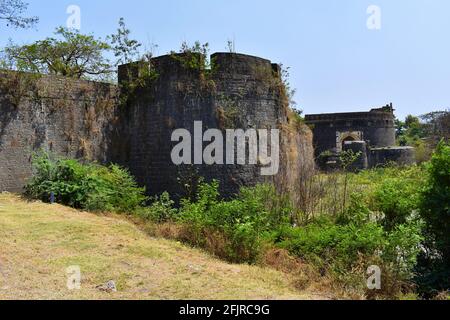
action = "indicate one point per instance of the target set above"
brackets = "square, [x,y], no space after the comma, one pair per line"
[346,251]
[435,210]
[85,186]
[161,209]
[373,229]
[397,198]
[241,223]
[332,245]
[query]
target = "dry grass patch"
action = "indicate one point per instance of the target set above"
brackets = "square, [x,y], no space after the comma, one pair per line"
[39,241]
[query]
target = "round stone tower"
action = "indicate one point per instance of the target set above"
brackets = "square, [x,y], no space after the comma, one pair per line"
[237,92]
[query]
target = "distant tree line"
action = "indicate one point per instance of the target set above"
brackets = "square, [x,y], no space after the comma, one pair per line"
[424,132]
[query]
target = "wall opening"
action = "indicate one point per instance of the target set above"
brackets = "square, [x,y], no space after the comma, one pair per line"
[348,139]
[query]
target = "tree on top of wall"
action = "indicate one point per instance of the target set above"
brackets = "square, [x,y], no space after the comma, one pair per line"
[70,54]
[12,12]
[125,50]
[73,54]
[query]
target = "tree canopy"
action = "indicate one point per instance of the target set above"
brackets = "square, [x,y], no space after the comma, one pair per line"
[12,12]
[70,54]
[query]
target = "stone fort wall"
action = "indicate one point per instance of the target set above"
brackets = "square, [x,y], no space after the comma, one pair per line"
[240,92]
[72,118]
[376,127]
[89,120]
[370,133]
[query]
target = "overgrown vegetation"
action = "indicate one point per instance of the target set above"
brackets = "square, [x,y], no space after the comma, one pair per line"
[434,204]
[85,186]
[72,54]
[395,218]
[69,53]
[194,57]
[424,132]
[342,246]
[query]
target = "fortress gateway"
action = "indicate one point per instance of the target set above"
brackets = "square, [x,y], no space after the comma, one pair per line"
[371,133]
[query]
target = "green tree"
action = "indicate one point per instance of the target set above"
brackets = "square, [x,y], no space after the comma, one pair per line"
[435,210]
[12,12]
[411,131]
[437,126]
[400,128]
[70,54]
[125,50]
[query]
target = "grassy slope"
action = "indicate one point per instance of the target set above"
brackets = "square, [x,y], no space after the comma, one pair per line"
[39,241]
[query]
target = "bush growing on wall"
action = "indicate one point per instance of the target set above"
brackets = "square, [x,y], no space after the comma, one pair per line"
[85,186]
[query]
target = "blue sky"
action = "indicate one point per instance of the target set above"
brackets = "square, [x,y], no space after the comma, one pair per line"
[337,63]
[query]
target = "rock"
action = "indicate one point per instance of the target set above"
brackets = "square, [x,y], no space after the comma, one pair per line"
[195,269]
[109,287]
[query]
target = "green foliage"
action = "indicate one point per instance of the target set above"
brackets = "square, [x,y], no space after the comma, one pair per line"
[397,198]
[195,57]
[424,133]
[141,72]
[70,54]
[371,229]
[403,247]
[435,204]
[139,75]
[288,91]
[348,158]
[243,222]
[85,186]
[393,202]
[296,118]
[413,133]
[435,210]
[161,209]
[125,50]
[12,12]
[410,130]
[379,225]
[340,247]
[331,245]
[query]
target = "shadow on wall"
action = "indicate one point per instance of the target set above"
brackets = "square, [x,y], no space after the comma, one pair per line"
[8,113]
